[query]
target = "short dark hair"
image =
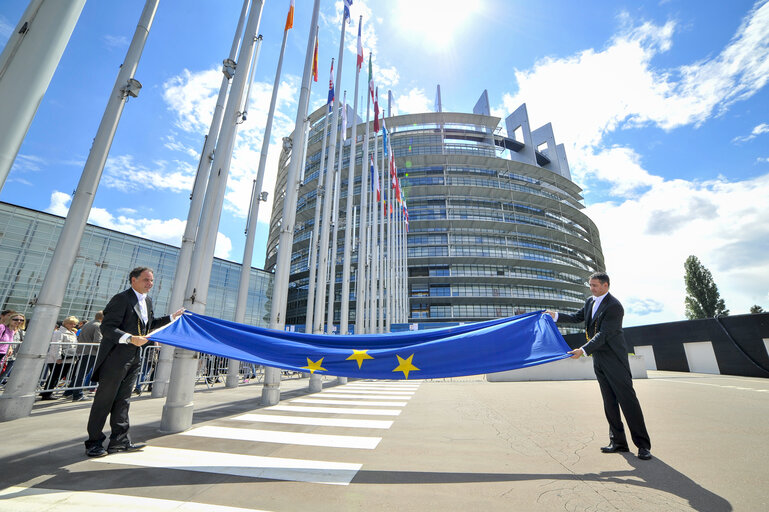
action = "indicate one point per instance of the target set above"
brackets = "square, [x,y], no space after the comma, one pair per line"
[603,277]
[135,273]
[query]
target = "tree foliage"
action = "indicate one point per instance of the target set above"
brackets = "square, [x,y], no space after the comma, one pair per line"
[755,308]
[702,297]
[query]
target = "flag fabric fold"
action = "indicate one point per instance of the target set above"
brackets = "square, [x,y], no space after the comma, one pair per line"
[471,349]
[331,88]
[359,62]
[315,62]
[290,16]
[375,180]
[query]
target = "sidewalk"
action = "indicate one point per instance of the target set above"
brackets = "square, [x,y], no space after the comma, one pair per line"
[456,444]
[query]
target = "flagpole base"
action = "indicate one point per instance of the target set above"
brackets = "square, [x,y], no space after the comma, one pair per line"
[316,384]
[341,380]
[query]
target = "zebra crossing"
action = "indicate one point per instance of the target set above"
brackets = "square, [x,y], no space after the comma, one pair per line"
[339,413]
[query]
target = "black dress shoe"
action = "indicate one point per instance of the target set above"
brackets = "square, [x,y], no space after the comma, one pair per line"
[614,448]
[128,447]
[96,451]
[644,454]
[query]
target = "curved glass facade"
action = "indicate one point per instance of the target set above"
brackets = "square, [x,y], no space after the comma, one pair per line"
[494,230]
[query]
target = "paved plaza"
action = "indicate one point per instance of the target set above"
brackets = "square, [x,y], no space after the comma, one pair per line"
[458,444]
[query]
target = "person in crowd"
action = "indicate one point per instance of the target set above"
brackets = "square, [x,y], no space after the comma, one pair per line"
[88,338]
[11,322]
[61,355]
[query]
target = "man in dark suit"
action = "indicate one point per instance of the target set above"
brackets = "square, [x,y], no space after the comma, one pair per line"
[128,318]
[602,314]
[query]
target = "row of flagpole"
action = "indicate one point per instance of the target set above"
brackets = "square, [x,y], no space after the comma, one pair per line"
[381,271]
[381,276]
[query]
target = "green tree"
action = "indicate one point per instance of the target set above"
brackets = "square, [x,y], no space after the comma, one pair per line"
[702,297]
[755,308]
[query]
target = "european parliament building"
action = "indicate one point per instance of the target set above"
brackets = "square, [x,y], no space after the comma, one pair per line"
[27,241]
[497,226]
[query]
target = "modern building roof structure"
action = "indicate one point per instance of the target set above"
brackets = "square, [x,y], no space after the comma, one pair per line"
[497,225]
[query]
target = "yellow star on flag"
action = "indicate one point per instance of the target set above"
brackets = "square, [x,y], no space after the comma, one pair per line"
[405,366]
[359,355]
[312,366]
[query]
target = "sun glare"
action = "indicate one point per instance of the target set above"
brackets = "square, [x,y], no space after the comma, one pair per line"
[434,23]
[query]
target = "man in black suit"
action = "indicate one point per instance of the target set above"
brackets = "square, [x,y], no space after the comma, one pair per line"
[128,318]
[602,314]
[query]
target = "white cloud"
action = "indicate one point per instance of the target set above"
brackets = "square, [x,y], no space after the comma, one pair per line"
[647,239]
[122,173]
[167,231]
[762,159]
[27,163]
[6,29]
[113,42]
[59,204]
[191,96]
[413,102]
[652,224]
[758,130]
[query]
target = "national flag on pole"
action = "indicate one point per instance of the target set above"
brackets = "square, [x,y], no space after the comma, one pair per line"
[290,17]
[315,62]
[374,179]
[347,4]
[384,135]
[376,110]
[393,177]
[360,45]
[398,190]
[370,77]
[331,87]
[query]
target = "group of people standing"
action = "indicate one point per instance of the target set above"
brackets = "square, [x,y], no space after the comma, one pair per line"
[71,356]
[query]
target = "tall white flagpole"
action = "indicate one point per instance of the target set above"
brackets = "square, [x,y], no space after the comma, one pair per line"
[382,242]
[320,194]
[320,295]
[19,395]
[335,220]
[202,178]
[374,305]
[361,281]
[178,409]
[271,389]
[349,238]
[27,64]
[257,196]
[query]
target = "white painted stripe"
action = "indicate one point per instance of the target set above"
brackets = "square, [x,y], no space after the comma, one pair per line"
[377,388]
[347,402]
[322,422]
[364,397]
[383,385]
[740,388]
[274,468]
[275,436]
[342,389]
[334,410]
[34,499]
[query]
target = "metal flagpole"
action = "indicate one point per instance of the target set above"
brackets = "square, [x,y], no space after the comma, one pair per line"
[271,389]
[202,179]
[233,368]
[390,251]
[361,281]
[320,294]
[19,395]
[374,246]
[27,65]
[382,246]
[349,238]
[335,221]
[320,192]
[177,411]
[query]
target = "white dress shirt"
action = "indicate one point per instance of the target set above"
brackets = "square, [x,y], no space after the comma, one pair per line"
[141,298]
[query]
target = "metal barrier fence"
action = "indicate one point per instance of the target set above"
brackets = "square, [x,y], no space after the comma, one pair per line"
[68,368]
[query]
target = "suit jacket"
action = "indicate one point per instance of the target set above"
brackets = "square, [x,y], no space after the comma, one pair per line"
[605,329]
[123,316]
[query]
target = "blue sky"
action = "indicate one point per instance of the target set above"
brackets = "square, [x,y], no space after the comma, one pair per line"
[662,106]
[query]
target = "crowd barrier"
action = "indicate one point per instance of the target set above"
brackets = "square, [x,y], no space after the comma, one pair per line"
[68,368]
